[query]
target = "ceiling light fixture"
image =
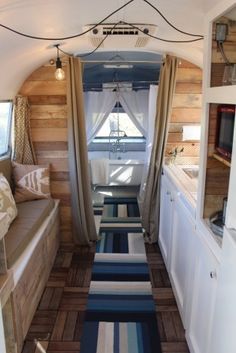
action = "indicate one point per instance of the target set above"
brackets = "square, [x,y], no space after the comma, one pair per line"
[59,73]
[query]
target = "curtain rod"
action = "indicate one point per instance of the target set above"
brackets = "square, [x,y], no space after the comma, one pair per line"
[123,89]
[120,83]
[122,62]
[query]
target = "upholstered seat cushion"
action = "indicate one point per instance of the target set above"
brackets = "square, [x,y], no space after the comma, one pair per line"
[31,215]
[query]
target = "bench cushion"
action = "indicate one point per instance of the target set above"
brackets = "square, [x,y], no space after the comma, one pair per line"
[31,215]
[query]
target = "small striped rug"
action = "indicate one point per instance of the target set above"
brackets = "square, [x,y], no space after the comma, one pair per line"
[120,315]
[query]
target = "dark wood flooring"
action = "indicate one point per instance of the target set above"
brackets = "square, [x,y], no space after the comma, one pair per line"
[58,321]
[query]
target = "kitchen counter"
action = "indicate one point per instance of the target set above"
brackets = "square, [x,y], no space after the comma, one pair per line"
[184,183]
[188,188]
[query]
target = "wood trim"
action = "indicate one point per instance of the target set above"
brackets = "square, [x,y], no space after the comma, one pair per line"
[222,160]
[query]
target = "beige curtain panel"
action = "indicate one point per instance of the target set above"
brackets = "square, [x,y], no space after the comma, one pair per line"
[23,146]
[84,230]
[151,205]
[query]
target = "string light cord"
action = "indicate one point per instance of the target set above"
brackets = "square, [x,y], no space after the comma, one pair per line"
[135,27]
[93,51]
[68,37]
[100,44]
[199,37]
[162,39]
[170,24]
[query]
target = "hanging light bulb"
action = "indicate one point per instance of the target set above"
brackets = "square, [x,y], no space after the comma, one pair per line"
[59,73]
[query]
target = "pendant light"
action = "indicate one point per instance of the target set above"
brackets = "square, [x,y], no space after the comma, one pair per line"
[59,73]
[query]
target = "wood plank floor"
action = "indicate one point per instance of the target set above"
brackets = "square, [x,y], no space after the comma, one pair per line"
[58,321]
[169,322]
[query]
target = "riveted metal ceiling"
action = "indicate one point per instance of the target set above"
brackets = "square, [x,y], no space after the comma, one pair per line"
[139,68]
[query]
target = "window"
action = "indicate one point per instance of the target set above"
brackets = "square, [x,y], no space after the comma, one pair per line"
[119,121]
[129,135]
[5,127]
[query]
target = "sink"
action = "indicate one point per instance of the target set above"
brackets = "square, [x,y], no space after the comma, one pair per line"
[192,172]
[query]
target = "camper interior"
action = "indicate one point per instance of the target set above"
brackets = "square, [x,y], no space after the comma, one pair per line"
[117,176]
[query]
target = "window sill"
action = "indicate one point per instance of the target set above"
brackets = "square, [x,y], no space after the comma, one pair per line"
[5,156]
[131,145]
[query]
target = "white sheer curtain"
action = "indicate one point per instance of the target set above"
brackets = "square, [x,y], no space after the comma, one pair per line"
[98,105]
[152,107]
[136,106]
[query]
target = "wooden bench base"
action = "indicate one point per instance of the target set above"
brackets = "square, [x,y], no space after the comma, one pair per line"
[30,275]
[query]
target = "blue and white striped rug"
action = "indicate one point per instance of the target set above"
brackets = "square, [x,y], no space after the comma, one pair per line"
[120,316]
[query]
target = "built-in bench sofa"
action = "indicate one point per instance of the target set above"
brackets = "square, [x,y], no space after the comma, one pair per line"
[28,251]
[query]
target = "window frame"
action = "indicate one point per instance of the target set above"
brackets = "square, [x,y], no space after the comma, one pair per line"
[7,153]
[102,144]
[118,108]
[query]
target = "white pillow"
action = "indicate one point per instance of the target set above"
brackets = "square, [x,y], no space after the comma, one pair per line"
[7,202]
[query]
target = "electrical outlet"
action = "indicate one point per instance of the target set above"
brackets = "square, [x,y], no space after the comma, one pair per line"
[221,32]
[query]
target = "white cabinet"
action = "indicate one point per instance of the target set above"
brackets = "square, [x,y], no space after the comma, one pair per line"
[201,303]
[175,240]
[223,338]
[191,265]
[181,254]
[166,212]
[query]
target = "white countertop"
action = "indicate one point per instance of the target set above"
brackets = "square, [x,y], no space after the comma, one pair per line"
[186,184]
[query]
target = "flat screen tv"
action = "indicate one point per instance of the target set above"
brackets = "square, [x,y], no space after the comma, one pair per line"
[225,130]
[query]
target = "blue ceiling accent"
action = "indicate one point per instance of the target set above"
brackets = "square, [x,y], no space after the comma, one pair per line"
[141,75]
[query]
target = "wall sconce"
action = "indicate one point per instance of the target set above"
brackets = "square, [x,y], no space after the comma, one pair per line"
[59,73]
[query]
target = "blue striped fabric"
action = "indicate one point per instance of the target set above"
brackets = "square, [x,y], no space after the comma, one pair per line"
[126,336]
[97,212]
[111,208]
[121,220]
[120,200]
[112,242]
[120,271]
[121,227]
[124,303]
[120,316]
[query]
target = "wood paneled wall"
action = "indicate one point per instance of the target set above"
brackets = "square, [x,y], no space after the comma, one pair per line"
[186,110]
[218,65]
[48,114]
[47,98]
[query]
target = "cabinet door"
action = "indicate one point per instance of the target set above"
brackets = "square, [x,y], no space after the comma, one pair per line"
[181,254]
[202,301]
[224,320]
[165,229]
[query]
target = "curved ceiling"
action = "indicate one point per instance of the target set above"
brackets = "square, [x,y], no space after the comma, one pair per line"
[140,69]
[59,18]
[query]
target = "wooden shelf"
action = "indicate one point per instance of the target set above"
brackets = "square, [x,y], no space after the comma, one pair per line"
[222,159]
[221,95]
